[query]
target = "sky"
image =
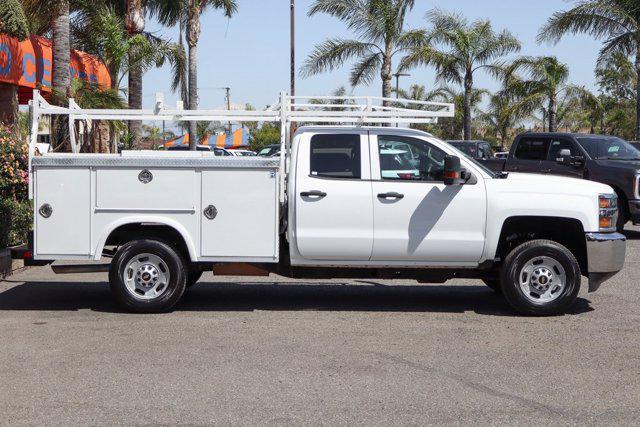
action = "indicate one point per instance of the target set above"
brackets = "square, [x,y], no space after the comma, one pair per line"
[250,52]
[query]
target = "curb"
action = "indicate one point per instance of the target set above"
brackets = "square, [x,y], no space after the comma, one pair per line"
[9,266]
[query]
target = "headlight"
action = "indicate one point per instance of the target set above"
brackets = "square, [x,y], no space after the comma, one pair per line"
[608,204]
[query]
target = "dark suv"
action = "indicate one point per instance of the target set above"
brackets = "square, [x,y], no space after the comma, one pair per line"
[600,158]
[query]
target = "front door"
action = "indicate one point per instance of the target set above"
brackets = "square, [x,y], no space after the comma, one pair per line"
[551,165]
[416,217]
[333,196]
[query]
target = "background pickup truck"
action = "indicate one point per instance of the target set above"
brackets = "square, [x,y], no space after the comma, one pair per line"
[606,159]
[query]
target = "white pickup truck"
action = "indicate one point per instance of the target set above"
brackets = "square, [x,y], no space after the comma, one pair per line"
[345,202]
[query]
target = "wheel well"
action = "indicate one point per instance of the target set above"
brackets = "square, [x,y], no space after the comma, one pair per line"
[137,231]
[566,231]
[623,204]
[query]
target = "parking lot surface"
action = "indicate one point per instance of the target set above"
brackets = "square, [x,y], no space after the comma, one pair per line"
[258,350]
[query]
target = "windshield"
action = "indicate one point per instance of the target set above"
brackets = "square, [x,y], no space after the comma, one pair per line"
[467,148]
[486,170]
[608,148]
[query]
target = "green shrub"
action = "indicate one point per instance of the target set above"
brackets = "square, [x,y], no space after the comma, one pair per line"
[15,222]
[14,159]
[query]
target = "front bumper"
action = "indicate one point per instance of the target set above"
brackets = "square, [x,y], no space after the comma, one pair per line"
[605,256]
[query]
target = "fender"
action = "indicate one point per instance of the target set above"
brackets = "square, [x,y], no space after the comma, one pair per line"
[97,254]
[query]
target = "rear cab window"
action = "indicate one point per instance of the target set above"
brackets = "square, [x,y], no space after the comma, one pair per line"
[336,156]
[531,148]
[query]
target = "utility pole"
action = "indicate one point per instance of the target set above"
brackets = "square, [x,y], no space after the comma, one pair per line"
[228,97]
[397,76]
[292,19]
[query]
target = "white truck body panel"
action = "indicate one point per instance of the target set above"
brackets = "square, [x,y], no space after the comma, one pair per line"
[92,195]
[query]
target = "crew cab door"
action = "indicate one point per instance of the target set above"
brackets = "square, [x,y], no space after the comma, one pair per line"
[529,153]
[551,165]
[333,197]
[416,217]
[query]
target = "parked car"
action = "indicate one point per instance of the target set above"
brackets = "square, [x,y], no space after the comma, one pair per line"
[606,159]
[222,152]
[186,148]
[476,149]
[243,153]
[269,150]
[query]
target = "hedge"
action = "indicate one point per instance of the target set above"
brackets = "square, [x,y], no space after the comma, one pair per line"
[15,222]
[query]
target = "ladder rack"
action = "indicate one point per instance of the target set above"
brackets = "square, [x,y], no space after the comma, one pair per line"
[354,110]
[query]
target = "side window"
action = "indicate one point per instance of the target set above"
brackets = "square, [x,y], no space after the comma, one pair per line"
[409,159]
[532,149]
[335,156]
[484,151]
[558,145]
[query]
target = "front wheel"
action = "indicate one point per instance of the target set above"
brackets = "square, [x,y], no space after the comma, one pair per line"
[147,276]
[541,278]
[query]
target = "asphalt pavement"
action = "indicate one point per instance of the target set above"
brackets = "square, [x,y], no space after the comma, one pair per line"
[263,351]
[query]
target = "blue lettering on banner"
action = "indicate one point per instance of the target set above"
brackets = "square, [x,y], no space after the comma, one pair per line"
[46,72]
[29,77]
[6,69]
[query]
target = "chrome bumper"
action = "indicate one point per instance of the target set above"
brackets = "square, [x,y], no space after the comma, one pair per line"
[605,256]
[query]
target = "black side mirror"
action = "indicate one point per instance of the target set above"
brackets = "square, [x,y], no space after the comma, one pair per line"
[453,171]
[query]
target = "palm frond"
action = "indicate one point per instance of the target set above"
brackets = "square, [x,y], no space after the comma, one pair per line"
[332,53]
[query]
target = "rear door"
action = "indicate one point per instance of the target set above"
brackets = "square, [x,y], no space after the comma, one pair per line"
[529,154]
[333,197]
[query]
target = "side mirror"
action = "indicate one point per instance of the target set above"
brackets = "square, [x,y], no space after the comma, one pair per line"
[564,157]
[453,171]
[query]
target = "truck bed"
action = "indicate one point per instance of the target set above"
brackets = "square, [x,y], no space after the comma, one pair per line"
[91,195]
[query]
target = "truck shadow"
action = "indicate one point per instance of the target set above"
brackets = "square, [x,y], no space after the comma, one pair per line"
[632,234]
[249,296]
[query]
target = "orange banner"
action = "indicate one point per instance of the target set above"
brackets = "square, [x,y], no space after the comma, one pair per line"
[28,64]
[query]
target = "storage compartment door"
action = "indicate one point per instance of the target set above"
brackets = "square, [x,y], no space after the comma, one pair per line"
[67,230]
[244,222]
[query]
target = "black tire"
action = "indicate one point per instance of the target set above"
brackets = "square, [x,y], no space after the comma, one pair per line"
[519,257]
[194,274]
[623,217]
[169,260]
[494,284]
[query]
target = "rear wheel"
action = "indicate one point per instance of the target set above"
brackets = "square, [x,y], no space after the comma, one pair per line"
[147,276]
[541,277]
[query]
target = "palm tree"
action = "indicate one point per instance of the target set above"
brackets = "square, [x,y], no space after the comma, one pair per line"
[502,117]
[187,13]
[615,21]
[135,26]
[61,77]
[545,85]
[379,26]
[13,22]
[468,47]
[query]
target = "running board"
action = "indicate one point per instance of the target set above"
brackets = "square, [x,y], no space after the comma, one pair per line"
[80,268]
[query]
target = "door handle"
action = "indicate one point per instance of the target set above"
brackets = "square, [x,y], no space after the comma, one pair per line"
[315,193]
[396,196]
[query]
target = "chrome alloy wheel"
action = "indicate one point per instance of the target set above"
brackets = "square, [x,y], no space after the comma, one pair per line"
[542,279]
[146,276]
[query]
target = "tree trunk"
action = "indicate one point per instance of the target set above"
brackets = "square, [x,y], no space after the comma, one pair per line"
[193,34]
[61,77]
[552,114]
[468,93]
[385,73]
[100,137]
[638,91]
[135,25]
[8,104]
